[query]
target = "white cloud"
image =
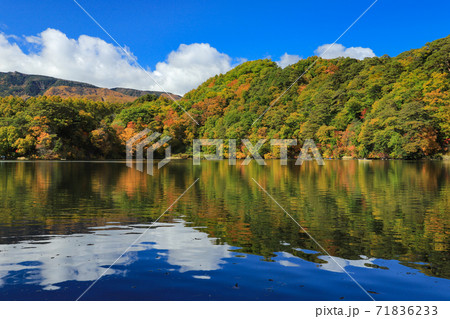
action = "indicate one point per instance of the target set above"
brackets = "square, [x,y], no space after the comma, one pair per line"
[288,59]
[327,51]
[92,60]
[190,66]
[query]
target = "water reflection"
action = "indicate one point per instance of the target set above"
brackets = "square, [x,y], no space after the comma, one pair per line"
[82,257]
[386,221]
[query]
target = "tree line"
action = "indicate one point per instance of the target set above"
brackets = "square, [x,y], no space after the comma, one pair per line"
[381,107]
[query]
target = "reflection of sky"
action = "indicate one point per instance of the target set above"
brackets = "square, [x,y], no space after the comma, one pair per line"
[188,248]
[82,257]
[332,264]
[203,269]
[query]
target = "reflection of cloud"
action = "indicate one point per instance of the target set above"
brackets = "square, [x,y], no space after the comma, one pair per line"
[83,257]
[189,248]
[62,258]
[287,263]
[331,264]
[202,277]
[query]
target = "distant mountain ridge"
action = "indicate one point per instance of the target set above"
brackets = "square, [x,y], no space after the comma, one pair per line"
[29,85]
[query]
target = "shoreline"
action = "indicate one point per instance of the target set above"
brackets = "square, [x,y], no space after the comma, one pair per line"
[443,159]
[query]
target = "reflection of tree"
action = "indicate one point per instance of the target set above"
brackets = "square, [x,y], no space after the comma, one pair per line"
[384,209]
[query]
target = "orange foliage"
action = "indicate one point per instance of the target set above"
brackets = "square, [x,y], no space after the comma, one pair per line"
[232,83]
[332,69]
[242,88]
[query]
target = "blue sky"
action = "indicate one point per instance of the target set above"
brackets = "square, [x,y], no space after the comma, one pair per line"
[239,29]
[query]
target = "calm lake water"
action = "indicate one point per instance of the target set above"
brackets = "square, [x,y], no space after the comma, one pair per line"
[387,223]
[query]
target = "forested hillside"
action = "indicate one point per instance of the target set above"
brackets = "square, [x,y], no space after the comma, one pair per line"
[379,107]
[19,84]
[26,85]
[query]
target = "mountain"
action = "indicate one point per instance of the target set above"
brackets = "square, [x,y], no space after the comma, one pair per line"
[93,94]
[380,107]
[139,93]
[24,85]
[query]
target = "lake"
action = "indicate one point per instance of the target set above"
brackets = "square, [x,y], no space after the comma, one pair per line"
[386,224]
